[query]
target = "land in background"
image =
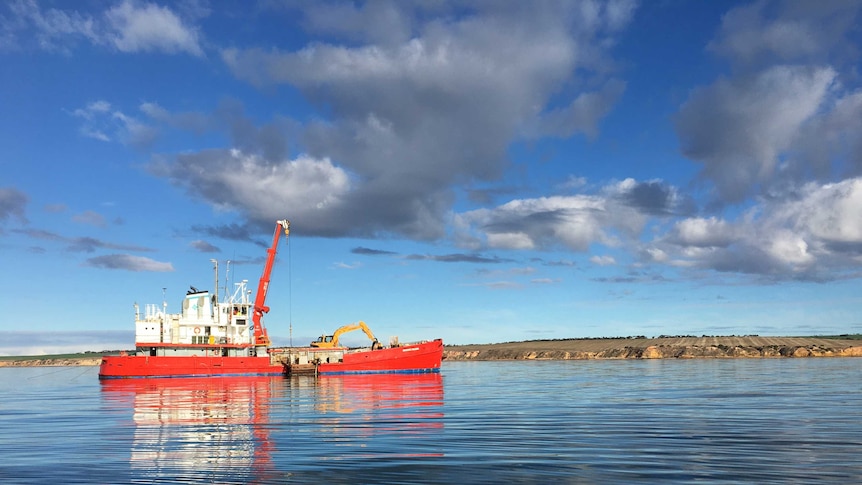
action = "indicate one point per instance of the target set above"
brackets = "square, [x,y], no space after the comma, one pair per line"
[663,347]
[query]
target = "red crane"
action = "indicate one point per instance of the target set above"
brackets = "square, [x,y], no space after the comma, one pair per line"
[261,337]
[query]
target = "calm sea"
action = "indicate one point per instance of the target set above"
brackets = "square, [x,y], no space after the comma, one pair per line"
[708,421]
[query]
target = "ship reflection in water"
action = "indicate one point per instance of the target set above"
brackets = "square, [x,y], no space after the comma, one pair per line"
[398,403]
[198,428]
[259,429]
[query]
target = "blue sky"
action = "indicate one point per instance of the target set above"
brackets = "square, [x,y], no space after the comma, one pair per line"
[476,171]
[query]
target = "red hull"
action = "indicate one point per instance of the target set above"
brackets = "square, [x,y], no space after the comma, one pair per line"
[410,358]
[129,366]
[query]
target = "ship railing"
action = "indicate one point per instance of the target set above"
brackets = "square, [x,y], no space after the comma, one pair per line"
[153,312]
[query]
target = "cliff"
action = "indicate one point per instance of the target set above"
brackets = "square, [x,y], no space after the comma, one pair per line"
[583,349]
[31,362]
[658,348]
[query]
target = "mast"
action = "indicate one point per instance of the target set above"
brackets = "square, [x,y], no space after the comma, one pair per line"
[261,337]
[215,270]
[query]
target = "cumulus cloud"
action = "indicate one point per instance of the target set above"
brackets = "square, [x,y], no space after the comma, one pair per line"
[785,113]
[433,103]
[702,232]
[740,128]
[306,189]
[376,22]
[815,236]
[575,221]
[582,115]
[828,213]
[128,262]
[792,31]
[618,213]
[654,197]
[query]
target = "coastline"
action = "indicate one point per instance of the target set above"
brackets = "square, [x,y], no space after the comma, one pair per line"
[659,348]
[48,361]
[587,349]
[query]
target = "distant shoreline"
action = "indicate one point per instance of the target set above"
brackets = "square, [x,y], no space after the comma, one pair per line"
[48,361]
[584,349]
[660,348]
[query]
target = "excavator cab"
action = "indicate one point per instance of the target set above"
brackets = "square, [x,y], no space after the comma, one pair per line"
[322,339]
[331,341]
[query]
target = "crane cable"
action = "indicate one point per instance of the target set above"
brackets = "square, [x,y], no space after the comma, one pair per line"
[289,294]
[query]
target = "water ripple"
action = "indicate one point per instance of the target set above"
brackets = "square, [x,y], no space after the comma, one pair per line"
[713,421]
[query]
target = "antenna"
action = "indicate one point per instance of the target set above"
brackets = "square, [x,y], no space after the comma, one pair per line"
[226,279]
[215,262]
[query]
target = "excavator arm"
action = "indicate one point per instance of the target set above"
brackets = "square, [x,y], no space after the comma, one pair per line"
[330,341]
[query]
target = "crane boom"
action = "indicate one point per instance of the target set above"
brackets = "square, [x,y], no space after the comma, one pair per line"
[261,337]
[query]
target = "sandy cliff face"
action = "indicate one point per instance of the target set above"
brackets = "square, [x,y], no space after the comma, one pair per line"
[49,362]
[621,348]
[668,348]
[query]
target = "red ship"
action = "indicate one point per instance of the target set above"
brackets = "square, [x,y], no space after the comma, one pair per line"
[211,338]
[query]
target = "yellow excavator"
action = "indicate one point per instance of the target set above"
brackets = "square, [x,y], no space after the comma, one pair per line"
[330,341]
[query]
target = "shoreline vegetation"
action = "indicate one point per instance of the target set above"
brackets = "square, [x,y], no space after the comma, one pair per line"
[662,347]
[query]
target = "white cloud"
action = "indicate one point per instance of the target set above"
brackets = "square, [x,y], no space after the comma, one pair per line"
[103,123]
[98,107]
[575,222]
[785,113]
[785,32]
[128,26]
[789,248]
[701,232]
[343,265]
[817,235]
[604,260]
[310,189]
[149,27]
[442,101]
[739,128]
[582,115]
[28,26]
[510,240]
[830,213]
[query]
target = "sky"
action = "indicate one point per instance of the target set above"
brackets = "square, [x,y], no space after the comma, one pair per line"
[477,171]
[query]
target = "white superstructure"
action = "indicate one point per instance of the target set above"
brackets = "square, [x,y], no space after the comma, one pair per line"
[203,321]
